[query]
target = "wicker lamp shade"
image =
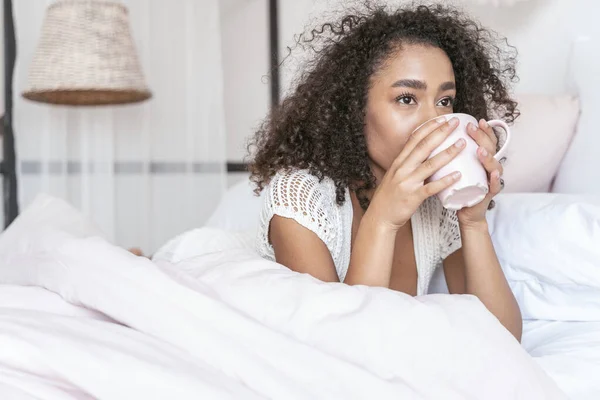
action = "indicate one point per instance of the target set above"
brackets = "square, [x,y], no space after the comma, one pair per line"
[86,56]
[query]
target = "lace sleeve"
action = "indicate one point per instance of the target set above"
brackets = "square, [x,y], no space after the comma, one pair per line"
[301,197]
[450,240]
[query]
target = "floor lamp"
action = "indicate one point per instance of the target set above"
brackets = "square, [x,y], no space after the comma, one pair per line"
[71,67]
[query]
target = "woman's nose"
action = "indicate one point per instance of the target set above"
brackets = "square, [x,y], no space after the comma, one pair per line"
[430,114]
[434,112]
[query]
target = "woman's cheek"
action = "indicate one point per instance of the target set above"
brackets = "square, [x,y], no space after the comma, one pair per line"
[393,146]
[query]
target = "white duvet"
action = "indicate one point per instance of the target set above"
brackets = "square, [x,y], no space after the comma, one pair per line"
[81,318]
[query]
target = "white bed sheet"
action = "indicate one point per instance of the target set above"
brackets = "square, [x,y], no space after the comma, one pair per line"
[231,325]
[569,352]
[33,298]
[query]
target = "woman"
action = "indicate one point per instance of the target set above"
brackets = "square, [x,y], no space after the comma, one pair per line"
[344,167]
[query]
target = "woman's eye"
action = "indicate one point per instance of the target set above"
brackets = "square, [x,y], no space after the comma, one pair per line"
[407,100]
[446,102]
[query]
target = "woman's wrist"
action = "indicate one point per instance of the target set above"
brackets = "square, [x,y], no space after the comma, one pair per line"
[372,252]
[378,223]
[473,226]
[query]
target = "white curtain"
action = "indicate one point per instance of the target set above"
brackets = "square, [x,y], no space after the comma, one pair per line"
[145,172]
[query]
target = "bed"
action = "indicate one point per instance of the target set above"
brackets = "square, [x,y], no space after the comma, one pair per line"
[81,318]
[547,244]
[569,351]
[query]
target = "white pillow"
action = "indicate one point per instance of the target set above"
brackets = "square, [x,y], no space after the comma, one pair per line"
[201,241]
[580,169]
[238,210]
[549,248]
[540,139]
[45,213]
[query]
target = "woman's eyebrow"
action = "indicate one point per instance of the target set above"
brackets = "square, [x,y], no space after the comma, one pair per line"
[410,83]
[447,86]
[420,85]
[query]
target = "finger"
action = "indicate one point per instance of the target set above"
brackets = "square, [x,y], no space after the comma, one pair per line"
[422,150]
[435,187]
[419,133]
[433,164]
[481,137]
[484,126]
[488,161]
[495,186]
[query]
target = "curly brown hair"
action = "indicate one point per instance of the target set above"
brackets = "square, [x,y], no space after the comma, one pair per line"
[320,125]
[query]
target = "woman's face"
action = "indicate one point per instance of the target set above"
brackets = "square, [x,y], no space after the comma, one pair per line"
[413,86]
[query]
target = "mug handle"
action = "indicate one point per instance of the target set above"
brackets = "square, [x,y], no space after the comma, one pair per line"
[494,123]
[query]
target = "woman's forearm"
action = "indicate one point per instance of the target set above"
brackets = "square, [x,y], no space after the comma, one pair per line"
[485,279]
[372,254]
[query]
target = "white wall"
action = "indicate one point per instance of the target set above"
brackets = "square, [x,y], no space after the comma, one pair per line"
[245,35]
[542,30]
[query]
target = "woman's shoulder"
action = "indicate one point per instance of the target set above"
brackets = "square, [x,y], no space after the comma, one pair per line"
[300,186]
[302,196]
[310,201]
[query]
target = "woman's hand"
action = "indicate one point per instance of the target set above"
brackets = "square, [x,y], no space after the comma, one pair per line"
[484,135]
[137,251]
[403,188]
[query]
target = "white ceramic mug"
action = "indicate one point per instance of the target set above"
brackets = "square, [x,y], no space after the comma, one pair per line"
[472,187]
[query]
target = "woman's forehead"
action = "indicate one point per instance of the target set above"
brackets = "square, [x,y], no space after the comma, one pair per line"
[418,62]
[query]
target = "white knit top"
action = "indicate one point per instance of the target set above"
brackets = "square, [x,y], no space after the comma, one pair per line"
[300,196]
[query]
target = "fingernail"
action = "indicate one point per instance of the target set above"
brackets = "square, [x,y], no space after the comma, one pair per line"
[472,127]
[460,143]
[484,122]
[439,120]
[453,121]
[484,152]
[456,175]
[496,174]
